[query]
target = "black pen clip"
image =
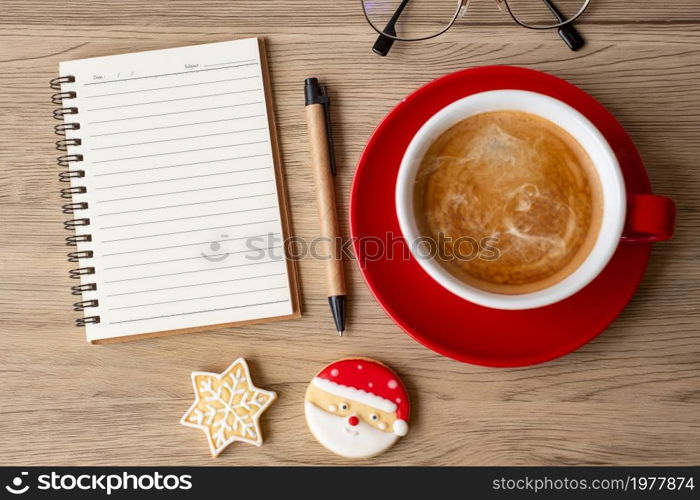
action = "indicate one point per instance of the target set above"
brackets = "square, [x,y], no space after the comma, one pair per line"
[326,101]
[314,93]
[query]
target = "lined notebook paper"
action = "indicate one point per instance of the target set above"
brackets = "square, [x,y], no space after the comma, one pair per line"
[183,188]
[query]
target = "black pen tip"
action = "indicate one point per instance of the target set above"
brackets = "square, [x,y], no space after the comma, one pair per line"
[337,303]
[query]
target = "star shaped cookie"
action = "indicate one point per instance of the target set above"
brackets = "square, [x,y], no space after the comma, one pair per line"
[227,406]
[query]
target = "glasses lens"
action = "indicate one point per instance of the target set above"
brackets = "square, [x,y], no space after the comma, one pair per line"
[545,13]
[410,19]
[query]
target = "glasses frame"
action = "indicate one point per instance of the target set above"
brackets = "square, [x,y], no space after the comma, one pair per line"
[464,4]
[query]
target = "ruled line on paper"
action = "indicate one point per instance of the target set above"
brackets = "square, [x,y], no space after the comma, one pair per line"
[203,216]
[176,126]
[198,312]
[175,260]
[182,164]
[253,62]
[180,273]
[272,235]
[185,178]
[134,292]
[175,113]
[131,105]
[214,134]
[172,87]
[185,204]
[192,258]
[197,298]
[189,231]
[219,64]
[183,151]
[185,191]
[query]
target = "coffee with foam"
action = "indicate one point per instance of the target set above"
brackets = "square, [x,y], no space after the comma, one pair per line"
[513,201]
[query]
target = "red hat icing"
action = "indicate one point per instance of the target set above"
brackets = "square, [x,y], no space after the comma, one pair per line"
[368,382]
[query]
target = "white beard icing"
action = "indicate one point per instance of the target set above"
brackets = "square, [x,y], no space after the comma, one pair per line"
[336,434]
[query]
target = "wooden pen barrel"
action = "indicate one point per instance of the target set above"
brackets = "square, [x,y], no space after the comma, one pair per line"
[329,247]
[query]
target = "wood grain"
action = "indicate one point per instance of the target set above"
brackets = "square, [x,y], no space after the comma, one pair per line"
[629,397]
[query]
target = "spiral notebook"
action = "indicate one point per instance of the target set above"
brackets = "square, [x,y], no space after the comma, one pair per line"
[175,191]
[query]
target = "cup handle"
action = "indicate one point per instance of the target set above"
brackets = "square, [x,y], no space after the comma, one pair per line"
[649,218]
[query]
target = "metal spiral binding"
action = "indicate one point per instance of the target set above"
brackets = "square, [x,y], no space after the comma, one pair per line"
[84,304]
[70,174]
[62,98]
[86,320]
[73,223]
[70,208]
[72,241]
[79,289]
[76,256]
[81,271]
[59,97]
[67,193]
[63,144]
[61,128]
[65,160]
[56,82]
[60,113]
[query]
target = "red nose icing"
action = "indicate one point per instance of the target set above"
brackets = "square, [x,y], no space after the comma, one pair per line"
[353,420]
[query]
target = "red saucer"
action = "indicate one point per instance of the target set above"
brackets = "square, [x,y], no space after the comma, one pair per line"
[435,317]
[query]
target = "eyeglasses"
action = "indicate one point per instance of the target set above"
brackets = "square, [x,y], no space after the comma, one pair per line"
[413,20]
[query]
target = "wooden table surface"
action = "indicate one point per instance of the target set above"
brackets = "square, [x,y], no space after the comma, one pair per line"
[629,397]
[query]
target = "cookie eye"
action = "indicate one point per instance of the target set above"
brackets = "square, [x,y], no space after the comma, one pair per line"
[343,406]
[374,417]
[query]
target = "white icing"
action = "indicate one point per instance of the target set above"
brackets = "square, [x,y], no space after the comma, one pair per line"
[333,432]
[392,384]
[225,415]
[334,372]
[355,394]
[382,426]
[400,427]
[332,408]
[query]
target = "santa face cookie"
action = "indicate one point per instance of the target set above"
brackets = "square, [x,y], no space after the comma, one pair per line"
[357,408]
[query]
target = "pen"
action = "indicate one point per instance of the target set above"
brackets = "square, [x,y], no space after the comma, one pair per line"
[323,165]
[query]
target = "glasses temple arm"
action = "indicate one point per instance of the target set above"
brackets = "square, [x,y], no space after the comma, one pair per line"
[384,43]
[572,38]
[553,9]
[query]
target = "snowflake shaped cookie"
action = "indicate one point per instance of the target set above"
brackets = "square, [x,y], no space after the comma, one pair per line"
[227,406]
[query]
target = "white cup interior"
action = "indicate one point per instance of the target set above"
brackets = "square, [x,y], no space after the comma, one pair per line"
[604,159]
